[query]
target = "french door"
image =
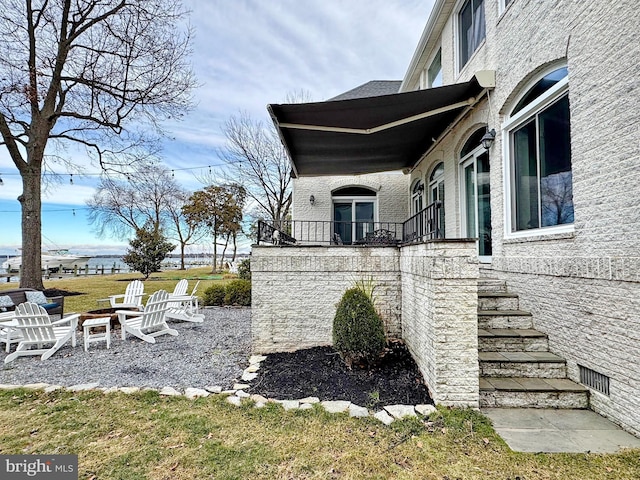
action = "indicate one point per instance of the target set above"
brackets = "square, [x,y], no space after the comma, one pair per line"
[476,201]
[353,219]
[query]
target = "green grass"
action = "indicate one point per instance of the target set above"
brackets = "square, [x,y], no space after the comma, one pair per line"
[144,436]
[94,287]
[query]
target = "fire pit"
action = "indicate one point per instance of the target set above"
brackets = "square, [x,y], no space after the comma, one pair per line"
[102,312]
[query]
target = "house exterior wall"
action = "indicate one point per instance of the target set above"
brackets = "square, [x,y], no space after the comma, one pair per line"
[391,189]
[582,286]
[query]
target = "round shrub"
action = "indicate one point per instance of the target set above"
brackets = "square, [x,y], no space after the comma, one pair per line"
[358,330]
[238,293]
[244,269]
[214,295]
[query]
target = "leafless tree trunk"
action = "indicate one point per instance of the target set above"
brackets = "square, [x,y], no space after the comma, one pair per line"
[74,71]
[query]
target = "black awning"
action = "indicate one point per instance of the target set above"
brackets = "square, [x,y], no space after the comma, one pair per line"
[373,134]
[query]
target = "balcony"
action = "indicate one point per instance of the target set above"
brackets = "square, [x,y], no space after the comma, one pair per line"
[424,225]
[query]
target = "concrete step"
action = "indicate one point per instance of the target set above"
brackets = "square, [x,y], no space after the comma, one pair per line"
[498,301]
[512,340]
[522,364]
[491,285]
[504,319]
[532,393]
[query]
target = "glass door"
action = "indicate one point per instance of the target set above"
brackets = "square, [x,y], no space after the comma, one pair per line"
[476,202]
[353,219]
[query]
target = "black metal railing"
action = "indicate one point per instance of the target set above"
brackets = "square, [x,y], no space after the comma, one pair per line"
[425,225]
[297,232]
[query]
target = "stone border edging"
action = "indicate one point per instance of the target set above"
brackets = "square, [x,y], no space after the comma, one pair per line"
[237,394]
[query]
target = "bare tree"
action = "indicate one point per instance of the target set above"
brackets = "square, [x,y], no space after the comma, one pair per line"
[177,226]
[149,196]
[84,71]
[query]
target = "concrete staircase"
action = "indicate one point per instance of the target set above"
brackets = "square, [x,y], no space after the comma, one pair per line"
[516,367]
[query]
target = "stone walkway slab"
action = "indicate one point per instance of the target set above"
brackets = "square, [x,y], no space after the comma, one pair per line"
[558,431]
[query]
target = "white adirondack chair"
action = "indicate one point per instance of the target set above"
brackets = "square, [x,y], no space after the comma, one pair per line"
[183,306]
[36,328]
[131,298]
[8,333]
[150,322]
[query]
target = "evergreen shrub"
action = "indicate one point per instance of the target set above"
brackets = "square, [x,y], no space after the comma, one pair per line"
[238,292]
[358,330]
[214,295]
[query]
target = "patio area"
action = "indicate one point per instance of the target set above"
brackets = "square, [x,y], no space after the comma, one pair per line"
[214,352]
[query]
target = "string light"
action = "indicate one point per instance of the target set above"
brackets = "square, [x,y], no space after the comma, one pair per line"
[1,182]
[74,212]
[71,178]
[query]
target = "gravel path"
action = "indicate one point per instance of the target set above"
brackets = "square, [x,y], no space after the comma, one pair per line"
[214,352]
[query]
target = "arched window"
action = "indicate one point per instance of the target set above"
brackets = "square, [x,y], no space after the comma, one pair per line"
[540,187]
[354,213]
[417,196]
[476,193]
[436,193]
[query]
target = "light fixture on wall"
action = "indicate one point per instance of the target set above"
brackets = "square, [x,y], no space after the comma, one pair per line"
[488,138]
[312,200]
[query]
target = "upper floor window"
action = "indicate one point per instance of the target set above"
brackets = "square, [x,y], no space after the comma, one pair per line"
[434,73]
[539,160]
[471,29]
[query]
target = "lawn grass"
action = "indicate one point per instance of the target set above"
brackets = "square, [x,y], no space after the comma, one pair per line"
[94,287]
[145,436]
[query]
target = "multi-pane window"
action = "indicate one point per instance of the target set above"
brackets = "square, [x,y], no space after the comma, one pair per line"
[540,156]
[471,29]
[435,71]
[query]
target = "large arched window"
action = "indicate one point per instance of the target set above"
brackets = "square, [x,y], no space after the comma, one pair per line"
[540,183]
[476,194]
[354,213]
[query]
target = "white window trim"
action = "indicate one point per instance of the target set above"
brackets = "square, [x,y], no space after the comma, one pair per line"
[543,101]
[502,7]
[353,200]
[456,38]
[430,63]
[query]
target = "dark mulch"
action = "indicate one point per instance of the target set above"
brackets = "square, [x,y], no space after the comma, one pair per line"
[320,372]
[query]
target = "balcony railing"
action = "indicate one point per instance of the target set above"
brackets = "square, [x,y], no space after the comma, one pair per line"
[425,225]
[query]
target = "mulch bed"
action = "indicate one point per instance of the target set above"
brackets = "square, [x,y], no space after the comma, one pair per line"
[320,372]
[56,292]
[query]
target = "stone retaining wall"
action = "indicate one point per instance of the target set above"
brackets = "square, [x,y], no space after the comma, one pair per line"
[426,294]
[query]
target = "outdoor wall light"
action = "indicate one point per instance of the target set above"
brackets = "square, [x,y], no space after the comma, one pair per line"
[312,200]
[488,138]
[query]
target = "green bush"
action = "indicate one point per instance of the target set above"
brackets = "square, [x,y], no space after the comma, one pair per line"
[238,293]
[214,295]
[244,269]
[358,330]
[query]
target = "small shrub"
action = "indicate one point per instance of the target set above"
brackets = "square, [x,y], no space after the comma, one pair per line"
[244,269]
[238,293]
[214,295]
[358,330]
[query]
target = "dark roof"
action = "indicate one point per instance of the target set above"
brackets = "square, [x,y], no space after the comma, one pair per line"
[373,134]
[374,88]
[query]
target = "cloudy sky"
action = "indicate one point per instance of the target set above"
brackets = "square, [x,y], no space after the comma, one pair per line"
[247,54]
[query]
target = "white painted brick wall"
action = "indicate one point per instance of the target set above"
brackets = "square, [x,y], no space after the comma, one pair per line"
[439,318]
[392,190]
[583,287]
[295,292]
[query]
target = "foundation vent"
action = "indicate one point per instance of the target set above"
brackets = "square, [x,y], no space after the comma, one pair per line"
[594,380]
